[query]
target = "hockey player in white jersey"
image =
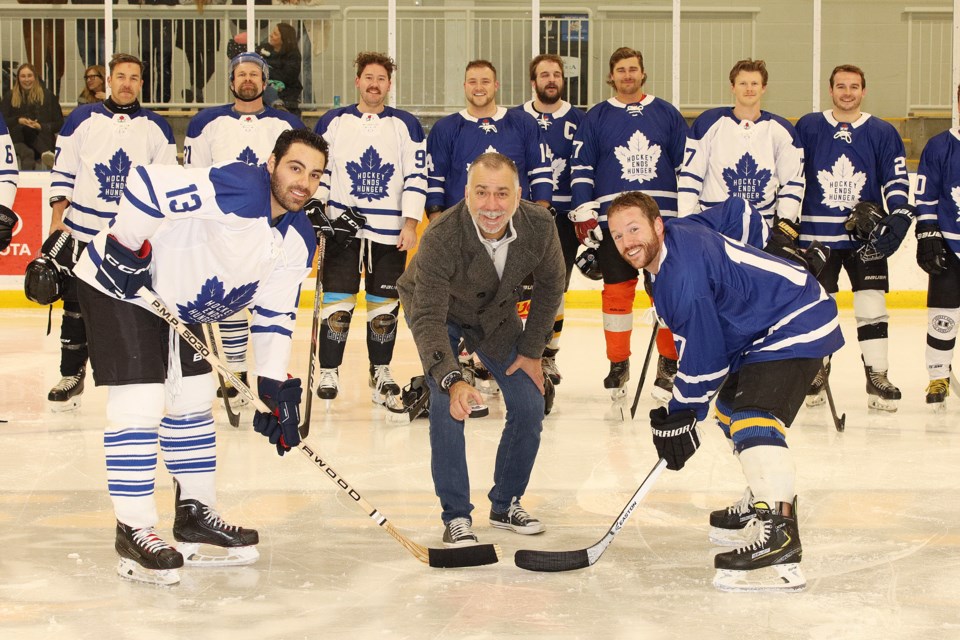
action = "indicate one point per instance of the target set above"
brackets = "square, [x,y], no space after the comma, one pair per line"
[938,249]
[209,242]
[853,157]
[633,141]
[9,177]
[377,172]
[757,350]
[244,131]
[98,145]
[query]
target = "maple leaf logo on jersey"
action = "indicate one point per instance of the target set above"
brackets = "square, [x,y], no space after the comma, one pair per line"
[842,184]
[113,176]
[488,127]
[955,194]
[370,176]
[638,159]
[558,165]
[746,180]
[489,149]
[212,304]
[248,156]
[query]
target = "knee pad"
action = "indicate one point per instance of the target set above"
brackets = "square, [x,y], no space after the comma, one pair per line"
[752,428]
[196,395]
[870,307]
[135,406]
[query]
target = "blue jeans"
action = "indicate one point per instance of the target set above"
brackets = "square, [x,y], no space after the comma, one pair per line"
[519,441]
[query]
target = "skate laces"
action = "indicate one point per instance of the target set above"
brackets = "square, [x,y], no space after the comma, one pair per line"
[68,382]
[329,378]
[382,376]
[213,519]
[880,380]
[743,506]
[937,386]
[758,532]
[148,539]
[459,528]
[519,514]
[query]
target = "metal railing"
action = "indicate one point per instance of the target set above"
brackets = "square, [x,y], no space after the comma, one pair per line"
[929,54]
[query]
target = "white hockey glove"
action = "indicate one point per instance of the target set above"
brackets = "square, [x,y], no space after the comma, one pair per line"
[585,224]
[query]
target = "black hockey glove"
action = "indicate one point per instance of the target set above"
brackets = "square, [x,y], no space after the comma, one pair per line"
[783,240]
[316,214]
[123,271]
[282,427]
[346,226]
[675,436]
[8,220]
[931,250]
[816,256]
[63,250]
[891,231]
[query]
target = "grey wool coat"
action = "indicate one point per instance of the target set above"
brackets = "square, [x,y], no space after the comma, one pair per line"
[452,279]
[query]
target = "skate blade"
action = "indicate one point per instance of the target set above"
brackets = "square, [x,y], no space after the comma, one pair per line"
[779,577]
[617,412]
[399,419]
[487,387]
[816,399]
[938,407]
[230,556]
[130,570]
[67,405]
[661,397]
[879,404]
[730,537]
[618,394]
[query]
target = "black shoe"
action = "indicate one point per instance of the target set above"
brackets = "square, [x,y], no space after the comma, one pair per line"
[458,533]
[516,519]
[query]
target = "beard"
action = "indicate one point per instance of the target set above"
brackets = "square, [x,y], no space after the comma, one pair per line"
[287,200]
[546,98]
[247,92]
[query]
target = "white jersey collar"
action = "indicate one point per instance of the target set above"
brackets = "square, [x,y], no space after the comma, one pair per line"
[620,105]
[501,111]
[559,113]
[828,114]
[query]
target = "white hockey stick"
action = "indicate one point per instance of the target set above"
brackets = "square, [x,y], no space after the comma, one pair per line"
[582,558]
[444,558]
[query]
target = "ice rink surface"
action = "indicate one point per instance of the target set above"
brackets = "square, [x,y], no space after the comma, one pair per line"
[879,509]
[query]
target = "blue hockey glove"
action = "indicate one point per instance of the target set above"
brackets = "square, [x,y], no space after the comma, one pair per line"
[675,436]
[282,427]
[8,220]
[123,271]
[891,231]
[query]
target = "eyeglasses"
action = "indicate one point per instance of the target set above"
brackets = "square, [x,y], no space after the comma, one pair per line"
[96,75]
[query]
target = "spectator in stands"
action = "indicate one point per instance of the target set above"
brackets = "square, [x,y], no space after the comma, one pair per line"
[199,37]
[282,53]
[43,42]
[156,52]
[34,118]
[95,87]
[91,38]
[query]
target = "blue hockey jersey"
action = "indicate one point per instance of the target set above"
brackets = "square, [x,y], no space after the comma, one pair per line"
[938,186]
[628,147]
[9,170]
[728,303]
[558,129]
[457,139]
[847,163]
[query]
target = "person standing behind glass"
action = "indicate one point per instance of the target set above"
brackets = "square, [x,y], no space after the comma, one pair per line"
[199,37]
[282,53]
[94,86]
[91,37]
[156,52]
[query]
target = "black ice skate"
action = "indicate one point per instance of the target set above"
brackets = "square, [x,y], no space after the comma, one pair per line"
[727,525]
[881,394]
[817,393]
[385,390]
[195,523]
[65,395]
[937,392]
[771,560]
[145,557]
[617,379]
[663,384]
[329,385]
[549,363]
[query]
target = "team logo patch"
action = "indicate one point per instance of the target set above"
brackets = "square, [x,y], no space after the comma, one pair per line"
[638,159]
[370,177]
[213,303]
[842,184]
[558,165]
[113,176]
[747,180]
[544,121]
[249,157]
[489,149]
[487,126]
[955,194]
[942,324]
[634,110]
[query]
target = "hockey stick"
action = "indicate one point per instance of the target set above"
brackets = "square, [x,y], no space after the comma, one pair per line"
[444,558]
[841,422]
[314,338]
[232,417]
[570,560]
[646,364]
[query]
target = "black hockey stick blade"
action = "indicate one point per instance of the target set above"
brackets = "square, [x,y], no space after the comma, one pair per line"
[646,365]
[474,556]
[839,422]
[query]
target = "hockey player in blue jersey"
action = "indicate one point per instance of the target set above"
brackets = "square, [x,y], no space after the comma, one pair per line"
[938,248]
[852,157]
[632,141]
[377,173]
[244,131]
[752,330]
[558,121]
[98,145]
[9,177]
[210,242]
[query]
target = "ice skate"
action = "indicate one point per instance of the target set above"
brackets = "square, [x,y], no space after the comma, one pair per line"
[817,394]
[663,384]
[881,394]
[145,557]
[195,523]
[770,561]
[484,380]
[617,379]
[550,369]
[65,395]
[727,525]
[549,394]
[416,402]
[937,392]
[329,385]
[385,390]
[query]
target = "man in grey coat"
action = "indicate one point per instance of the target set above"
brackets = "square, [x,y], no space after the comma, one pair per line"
[465,282]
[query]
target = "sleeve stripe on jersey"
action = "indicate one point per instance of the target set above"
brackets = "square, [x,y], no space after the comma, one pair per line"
[149,185]
[705,377]
[279,330]
[787,319]
[796,275]
[435,190]
[688,190]
[9,172]
[68,185]
[789,195]
[806,338]
[76,227]
[142,206]
[845,237]
[692,176]
[69,176]
[106,215]
[270,313]
[415,190]
[930,203]
[415,176]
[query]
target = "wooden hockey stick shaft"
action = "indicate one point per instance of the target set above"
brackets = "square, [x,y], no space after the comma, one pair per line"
[314,337]
[233,417]
[457,557]
[646,365]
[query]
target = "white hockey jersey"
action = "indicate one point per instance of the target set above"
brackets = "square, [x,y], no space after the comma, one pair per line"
[96,150]
[221,134]
[378,166]
[9,170]
[215,251]
[760,161]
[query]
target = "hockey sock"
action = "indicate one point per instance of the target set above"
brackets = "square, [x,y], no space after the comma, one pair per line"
[73,343]
[234,334]
[941,339]
[752,428]
[723,411]
[130,446]
[870,310]
[617,300]
[381,328]
[335,320]
[188,439]
[770,473]
[665,344]
[557,326]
